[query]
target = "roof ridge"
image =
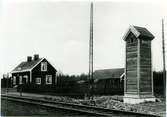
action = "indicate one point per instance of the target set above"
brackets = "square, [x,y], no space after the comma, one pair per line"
[27,66]
[109,69]
[138,32]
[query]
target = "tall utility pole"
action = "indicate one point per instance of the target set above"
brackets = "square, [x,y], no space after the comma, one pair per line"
[91,80]
[163,52]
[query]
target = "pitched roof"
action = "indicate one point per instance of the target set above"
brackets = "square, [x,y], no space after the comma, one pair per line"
[108,73]
[144,32]
[139,32]
[26,66]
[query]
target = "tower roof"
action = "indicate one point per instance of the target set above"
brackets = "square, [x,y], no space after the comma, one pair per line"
[139,32]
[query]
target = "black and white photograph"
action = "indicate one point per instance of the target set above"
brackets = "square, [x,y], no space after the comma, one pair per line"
[83,58]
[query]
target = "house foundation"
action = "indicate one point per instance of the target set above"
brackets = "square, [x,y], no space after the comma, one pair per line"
[131,99]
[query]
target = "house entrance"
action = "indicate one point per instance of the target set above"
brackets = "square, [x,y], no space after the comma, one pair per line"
[24,80]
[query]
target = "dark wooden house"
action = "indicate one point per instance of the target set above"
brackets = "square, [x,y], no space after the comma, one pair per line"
[138,67]
[109,81]
[36,71]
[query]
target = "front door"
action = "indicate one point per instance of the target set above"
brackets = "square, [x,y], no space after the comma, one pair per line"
[24,80]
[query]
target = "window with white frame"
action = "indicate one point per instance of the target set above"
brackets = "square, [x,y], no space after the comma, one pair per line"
[43,66]
[26,78]
[38,80]
[14,80]
[48,79]
[20,80]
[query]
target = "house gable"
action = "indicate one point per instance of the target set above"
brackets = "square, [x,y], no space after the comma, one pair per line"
[49,66]
[38,73]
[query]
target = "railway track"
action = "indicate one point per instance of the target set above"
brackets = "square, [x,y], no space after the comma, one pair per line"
[88,110]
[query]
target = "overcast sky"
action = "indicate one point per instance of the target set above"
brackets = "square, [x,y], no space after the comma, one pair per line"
[59,31]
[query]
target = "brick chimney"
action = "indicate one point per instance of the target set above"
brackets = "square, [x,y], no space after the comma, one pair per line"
[36,56]
[29,58]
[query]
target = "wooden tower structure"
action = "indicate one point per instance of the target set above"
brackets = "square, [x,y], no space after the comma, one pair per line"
[138,85]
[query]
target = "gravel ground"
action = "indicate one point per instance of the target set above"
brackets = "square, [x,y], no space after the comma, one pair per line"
[110,102]
[156,108]
[115,102]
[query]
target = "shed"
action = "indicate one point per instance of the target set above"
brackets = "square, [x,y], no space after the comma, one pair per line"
[109,81]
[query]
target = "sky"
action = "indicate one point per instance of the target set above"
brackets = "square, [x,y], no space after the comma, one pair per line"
[59,31]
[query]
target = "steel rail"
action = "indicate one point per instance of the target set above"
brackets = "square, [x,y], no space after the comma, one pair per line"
[91,110]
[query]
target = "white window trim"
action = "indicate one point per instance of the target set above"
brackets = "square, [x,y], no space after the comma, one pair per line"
[14,80]
[38,82]
[44,64]
[50,76]
[26,77]
[20,80]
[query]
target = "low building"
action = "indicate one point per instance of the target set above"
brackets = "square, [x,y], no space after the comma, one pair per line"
[109,81]
[34,71]
[6,81]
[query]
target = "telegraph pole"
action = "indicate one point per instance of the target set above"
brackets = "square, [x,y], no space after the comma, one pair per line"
[91,80]
[163,52]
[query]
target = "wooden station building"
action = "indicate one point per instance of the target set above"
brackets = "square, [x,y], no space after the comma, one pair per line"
[138,85]
[36,71]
